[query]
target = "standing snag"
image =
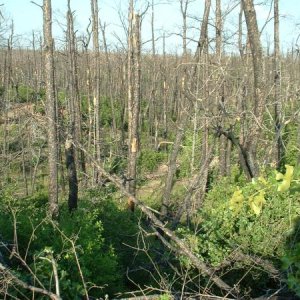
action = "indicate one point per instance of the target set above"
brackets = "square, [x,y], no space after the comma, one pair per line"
[134,96]
[51,110]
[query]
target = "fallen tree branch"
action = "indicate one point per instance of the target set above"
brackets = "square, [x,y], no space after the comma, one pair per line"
[181,247]
[9,276]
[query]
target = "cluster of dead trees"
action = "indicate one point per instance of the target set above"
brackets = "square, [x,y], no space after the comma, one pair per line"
[163,96]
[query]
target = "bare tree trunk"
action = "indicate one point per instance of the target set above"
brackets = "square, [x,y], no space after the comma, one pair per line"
[6,83]
[172,164]
[218,30]
[183,8]
[72,174]
[278,102]
[110,82]
[96,84]
[220,96]
[203,31]
[74,115]
[134,70]
[259,98]
[51,110]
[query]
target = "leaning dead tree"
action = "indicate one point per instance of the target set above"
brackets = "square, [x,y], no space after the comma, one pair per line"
[50,109]
[167,236]
[134,78]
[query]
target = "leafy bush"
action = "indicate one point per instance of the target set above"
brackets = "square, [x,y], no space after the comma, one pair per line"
[255,217]
[291,261]
[149,159]
[26,93]
[106,114]
[290,139]
[37,236]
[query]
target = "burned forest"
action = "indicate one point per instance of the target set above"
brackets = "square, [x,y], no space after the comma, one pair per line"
[144,163]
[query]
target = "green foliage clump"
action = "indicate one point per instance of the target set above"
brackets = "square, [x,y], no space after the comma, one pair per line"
[106,113]
[256,218]
[290,139]
[26,94]
[291,260]
[149,159]
[94,231]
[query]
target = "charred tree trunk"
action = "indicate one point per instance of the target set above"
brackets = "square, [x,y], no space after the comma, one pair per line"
[72,174]
[74,114]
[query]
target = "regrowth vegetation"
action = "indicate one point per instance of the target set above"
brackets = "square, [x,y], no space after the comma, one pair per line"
[128,173]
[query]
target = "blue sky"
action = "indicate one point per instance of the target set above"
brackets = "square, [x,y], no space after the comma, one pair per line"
[28,17]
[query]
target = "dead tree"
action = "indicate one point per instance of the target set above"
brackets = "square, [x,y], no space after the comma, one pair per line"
[134,78]
[74,114]
[168,238]
[96,84]
[258,87]
[50,109]
[277,97]
[203,30]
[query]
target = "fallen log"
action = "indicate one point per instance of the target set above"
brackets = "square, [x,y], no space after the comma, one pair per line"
[181,247]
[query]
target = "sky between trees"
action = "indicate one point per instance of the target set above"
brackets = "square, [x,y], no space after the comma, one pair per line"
[28,17]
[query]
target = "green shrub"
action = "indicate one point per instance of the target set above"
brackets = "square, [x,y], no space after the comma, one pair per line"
[149,159]
[98,260]
[26,94]
[290,138]
[291,260]
[255,217]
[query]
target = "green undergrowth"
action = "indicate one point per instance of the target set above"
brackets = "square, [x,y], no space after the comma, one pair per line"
[100,233]
[246,227]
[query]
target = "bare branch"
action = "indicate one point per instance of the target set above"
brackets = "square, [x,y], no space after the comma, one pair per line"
[8,275]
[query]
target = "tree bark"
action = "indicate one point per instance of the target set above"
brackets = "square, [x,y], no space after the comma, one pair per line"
[203,31]
[278,102]
[134,96]
[74,115]
[96,85]
[50,110]
[258,95]
[72,174]
[172,165]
